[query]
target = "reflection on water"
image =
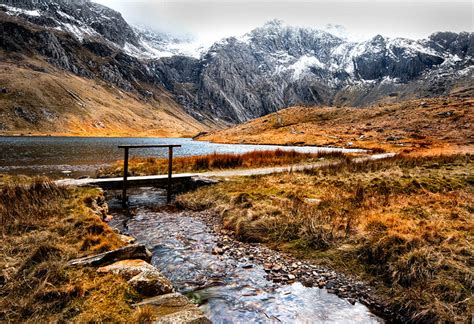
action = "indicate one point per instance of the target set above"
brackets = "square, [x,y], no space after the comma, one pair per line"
[231,290]
[84,155]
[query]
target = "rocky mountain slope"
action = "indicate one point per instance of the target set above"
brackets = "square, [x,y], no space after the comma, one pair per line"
[238,78]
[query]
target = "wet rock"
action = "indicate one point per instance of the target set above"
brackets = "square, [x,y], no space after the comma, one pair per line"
[168,300]
[218,251]
[330,284]
[127,239]
[151,283]
[135,251]
[307,281]
[127,268]
[351,300]
[190,316]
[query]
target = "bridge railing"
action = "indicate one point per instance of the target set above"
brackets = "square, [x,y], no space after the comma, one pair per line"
[125,167]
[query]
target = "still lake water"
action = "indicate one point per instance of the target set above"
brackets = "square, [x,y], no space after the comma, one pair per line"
[84,155]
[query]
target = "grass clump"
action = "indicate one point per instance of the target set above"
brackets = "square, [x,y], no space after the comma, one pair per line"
[405,222]
[216,161]
[42,227]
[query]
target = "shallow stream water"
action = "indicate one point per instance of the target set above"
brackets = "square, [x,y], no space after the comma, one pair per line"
[230,290]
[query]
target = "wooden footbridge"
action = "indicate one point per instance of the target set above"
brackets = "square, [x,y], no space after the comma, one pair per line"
[170,179]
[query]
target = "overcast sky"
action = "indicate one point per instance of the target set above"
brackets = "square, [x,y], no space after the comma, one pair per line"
[212,20]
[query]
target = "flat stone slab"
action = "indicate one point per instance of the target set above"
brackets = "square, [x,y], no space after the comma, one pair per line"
[168,300]
[174,308]
[135,251]
[127,268]
[151,283]
[190,316]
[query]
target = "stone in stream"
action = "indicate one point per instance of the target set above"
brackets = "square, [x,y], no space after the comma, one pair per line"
[151,283]
[142,276]
[127,268]
[167,300]
[174,308]
[135,251]
[191,316]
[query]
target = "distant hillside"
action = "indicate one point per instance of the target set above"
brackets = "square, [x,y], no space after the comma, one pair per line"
[238,78]
[37,98]
[435,125]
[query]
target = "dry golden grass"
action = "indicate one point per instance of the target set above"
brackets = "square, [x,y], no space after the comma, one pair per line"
[439,124]
[62,104]
[406,222]
[43,226]
[215,161]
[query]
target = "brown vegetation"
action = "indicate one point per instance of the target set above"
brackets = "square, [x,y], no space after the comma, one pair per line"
[436,125]
[39,99]
[42,227]
[404,223]
[216,161]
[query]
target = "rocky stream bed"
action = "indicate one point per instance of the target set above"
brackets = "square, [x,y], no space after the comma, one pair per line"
[236,282]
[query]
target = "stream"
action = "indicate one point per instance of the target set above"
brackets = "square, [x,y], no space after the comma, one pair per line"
[229,289]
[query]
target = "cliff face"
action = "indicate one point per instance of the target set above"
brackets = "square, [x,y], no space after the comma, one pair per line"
[236,79]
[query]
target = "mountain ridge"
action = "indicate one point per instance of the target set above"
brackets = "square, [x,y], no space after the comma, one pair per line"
[238,78]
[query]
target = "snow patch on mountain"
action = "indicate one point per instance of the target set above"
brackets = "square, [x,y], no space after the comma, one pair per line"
[19,11]
[303,64]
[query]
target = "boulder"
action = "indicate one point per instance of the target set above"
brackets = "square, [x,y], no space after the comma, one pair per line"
[174,308]
[127,268]
[135,251]
[168,300]
[151,283]
[189,316]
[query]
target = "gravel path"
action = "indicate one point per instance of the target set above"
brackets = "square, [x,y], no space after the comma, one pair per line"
[226,173]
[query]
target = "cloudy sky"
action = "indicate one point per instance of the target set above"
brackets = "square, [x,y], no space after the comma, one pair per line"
[210,20]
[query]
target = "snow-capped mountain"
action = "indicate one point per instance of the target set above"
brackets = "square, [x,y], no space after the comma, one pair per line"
[238,78]
[86,20]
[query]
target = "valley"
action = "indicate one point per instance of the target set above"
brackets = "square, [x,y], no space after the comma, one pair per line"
[324,177]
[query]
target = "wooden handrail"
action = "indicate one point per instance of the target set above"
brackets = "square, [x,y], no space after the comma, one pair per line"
[125,167]
[149,145]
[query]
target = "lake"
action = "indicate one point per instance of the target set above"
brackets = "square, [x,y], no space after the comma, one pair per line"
[52,156]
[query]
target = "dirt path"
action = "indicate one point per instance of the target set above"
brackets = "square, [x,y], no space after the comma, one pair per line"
[298,167]
[226,173]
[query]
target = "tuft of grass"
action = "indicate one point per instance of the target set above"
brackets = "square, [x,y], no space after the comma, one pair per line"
[216,161]
[404,221]
[25,205]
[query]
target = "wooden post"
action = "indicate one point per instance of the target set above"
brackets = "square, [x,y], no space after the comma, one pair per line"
[125,174]
[170,171]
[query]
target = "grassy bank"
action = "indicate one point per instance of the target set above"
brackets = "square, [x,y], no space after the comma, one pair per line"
[215,161]
[42,227]
[425,125]
[405,224]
